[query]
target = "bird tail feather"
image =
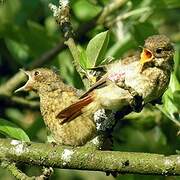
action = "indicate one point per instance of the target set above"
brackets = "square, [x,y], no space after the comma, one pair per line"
[74,110]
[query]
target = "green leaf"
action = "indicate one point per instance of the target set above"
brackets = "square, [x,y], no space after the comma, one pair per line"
[174,83]
[96,48]
[141,31]
[168,102]
[11,130]
[84,62]
[172,3]
[85,10]
[67,70]
[32,40]
[176,98]
[119,48]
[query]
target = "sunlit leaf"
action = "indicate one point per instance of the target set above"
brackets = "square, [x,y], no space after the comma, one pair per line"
[174,83]
[176,98]
[119,48]
[84,62]
[9,129]
[96,48]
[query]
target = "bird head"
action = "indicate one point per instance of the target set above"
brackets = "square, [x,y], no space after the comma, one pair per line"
[158,51]
[38,78]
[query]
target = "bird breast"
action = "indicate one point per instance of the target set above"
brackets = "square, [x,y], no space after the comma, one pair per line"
[150,83]
[76,132]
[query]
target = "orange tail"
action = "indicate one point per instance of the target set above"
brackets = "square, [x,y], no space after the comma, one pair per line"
[74,110]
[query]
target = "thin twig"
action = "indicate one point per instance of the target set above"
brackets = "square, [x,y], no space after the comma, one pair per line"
[61,14]
[17,173]
[129,14]
[12,83]
[113,6]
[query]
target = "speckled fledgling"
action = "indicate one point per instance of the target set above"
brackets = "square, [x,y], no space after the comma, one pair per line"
[54,97]
[73,121]
[147,75]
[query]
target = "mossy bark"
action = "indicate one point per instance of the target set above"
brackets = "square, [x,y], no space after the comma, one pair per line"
[85,158]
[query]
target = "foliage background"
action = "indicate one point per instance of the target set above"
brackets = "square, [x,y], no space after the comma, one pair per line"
[27,29]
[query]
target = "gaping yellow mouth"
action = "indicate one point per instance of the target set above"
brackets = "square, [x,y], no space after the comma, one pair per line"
[146,56]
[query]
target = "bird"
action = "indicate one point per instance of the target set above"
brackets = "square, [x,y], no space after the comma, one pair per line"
[146,75]
[55,96]
[74,120]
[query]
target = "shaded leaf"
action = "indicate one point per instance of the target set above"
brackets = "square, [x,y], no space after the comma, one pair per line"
[67,70]
[119,48]
[31,40]
[143,30]
[11,130]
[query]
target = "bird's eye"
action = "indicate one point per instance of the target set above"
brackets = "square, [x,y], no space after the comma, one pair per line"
[159,50]
[36,73]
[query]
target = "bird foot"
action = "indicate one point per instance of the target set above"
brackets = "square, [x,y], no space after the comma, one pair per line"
[137,102]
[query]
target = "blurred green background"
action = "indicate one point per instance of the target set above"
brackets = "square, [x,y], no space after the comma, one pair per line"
[27,30]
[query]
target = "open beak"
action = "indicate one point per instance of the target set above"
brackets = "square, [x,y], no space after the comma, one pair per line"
[146,56]
[28,85]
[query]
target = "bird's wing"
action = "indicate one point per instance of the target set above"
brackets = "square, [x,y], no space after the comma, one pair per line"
[74,110]
[103,81]
[98,84]
[130,59]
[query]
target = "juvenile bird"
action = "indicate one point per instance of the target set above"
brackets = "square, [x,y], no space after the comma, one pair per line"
[146,75]
[72,120]
[54,97]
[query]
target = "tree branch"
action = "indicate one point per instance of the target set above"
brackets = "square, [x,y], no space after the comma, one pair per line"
[84,158]
[61,14]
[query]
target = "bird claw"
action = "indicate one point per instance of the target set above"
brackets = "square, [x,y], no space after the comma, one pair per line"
[137,102]
[157,101]
[54,144]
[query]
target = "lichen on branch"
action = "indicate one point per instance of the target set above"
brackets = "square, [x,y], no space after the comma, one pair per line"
[85,158]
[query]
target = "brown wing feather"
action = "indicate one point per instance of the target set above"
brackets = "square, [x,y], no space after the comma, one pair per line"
[130,59]
[100,83]
[76,114]
[74,110]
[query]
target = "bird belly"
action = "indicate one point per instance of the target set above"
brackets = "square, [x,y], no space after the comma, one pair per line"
[140,84]
[76,132]
[113,97]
